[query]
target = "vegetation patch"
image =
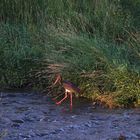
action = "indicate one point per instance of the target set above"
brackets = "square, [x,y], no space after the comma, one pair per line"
[94,44]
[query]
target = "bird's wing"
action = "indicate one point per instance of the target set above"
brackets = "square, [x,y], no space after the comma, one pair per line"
[73,86]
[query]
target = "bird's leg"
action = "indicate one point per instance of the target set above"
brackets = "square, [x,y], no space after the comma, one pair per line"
[71,101]
[62,99]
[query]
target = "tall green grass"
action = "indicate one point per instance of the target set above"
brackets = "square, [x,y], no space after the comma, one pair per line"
[18,54]
[93,43]
[105,18]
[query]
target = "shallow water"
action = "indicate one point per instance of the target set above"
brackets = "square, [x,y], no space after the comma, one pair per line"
[33,116]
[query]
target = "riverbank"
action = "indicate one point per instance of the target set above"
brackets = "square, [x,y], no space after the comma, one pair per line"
[96,66]
[93,44]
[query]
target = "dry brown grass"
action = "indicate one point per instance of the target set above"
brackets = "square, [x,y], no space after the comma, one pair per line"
[107,101]
[92,74]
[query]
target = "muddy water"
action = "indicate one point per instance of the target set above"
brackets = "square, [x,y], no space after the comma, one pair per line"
[32,116]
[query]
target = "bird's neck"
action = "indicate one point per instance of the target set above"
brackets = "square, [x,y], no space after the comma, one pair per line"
[61,81]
